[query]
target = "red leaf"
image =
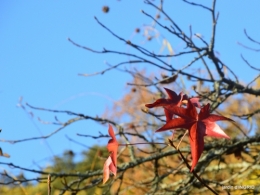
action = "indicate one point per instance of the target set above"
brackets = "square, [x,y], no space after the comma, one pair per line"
[204,112]
[173,99]
[213,130]
[199,125]
[197,132]
[159,102]
[112,145]
[108,166]
[106,169]
[172,95]
[213,118]
[188,113]
[111,162]
[111,132]
[176,123]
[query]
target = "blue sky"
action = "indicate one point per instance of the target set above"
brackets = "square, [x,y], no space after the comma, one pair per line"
[38,63]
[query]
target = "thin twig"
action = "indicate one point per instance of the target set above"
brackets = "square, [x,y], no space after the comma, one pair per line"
[196,4]
[249,63]
[189,167]
[250,37]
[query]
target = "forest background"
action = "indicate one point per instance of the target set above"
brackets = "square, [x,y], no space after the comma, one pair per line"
[41,67]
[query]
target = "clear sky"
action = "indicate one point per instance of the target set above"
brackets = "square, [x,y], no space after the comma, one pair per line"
[38,63]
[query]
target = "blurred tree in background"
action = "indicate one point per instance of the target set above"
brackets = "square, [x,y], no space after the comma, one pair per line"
[152,168]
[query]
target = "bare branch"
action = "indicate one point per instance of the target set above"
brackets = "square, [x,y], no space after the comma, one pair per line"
[199,5]
[69,122]
[250,37]
[258,69]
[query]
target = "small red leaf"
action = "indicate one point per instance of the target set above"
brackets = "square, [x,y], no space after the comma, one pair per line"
[111,162]
[106,169]
[112,145]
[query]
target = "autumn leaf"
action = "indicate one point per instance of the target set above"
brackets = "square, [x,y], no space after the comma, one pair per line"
[108,166]
[199,125]
[112,145]
[173,99]
[111,162]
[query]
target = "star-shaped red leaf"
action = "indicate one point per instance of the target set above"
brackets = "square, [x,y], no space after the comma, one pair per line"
[199,125]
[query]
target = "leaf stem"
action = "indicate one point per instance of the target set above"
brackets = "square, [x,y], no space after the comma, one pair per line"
[181,139]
